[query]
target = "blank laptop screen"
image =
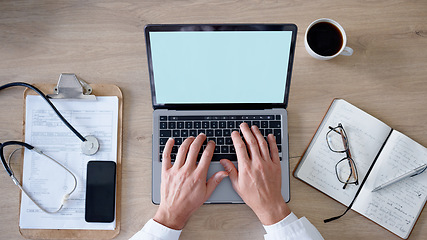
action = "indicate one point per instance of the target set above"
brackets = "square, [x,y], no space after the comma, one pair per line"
[220,66]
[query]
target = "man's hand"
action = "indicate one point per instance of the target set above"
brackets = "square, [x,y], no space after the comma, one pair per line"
[258,181]
[184,187]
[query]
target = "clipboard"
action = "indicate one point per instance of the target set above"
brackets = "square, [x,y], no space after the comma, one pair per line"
[70,87]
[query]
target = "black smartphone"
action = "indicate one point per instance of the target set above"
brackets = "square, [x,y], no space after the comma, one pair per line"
[100,191]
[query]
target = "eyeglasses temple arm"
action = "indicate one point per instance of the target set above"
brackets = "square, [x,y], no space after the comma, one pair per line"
[348,153]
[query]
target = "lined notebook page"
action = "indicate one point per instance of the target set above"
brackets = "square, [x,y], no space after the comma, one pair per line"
[366,135]
[397,206]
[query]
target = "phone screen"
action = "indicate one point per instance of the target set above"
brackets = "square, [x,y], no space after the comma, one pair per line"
[100,191]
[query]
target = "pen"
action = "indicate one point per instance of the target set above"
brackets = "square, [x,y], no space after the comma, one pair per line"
[411,173]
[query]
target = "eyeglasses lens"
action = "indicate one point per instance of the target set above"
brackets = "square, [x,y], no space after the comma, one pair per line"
[344,171]
[336,140]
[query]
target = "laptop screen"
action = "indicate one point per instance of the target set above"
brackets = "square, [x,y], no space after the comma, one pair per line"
[220,67]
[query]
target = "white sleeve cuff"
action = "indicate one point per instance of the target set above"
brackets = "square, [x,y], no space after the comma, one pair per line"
[292,228]
[281,224]
[156,231]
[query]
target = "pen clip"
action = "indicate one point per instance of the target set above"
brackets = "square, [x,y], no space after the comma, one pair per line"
[419,172]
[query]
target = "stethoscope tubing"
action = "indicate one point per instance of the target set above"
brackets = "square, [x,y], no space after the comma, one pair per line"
[46,98]
[3,160]
[7,166]
[17,183]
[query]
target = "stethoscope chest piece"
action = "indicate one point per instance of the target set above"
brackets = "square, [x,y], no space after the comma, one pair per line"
[90,146]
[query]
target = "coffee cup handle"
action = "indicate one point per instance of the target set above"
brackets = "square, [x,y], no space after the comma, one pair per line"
[347,51]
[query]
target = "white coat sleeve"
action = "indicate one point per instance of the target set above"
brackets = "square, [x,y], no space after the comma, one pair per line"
[153,230]
[291,228]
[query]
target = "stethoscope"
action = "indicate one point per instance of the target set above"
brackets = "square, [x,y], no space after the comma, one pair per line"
[89,146]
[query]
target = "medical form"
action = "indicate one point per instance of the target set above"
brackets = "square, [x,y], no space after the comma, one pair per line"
[45,181]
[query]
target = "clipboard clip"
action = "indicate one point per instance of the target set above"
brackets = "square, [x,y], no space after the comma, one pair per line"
[69,86]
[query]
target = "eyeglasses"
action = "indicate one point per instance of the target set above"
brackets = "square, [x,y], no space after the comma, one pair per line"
[345,169]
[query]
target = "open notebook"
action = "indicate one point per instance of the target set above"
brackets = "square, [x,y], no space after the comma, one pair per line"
[380,154]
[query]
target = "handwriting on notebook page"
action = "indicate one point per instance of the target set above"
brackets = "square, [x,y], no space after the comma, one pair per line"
[400,155]
[365,135]
[397,206]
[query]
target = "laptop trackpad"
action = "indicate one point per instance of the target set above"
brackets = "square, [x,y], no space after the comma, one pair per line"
[224,192]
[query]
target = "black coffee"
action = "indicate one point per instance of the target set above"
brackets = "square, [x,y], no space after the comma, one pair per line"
[325,39]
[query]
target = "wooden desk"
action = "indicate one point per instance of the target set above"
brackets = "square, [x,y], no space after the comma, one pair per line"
[103,42]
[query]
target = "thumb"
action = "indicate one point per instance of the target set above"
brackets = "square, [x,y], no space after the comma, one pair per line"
[231,170]
[213,182]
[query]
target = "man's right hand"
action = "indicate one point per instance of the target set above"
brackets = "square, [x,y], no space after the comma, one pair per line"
[258,180]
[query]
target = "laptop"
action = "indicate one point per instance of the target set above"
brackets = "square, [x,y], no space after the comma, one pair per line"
[209,78]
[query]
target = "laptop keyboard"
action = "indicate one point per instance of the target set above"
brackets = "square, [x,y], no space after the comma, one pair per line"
[217,129]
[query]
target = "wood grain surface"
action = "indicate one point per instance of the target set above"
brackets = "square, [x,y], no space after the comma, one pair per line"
[103,42]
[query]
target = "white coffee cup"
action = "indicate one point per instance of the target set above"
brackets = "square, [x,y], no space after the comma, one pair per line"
[320,54]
